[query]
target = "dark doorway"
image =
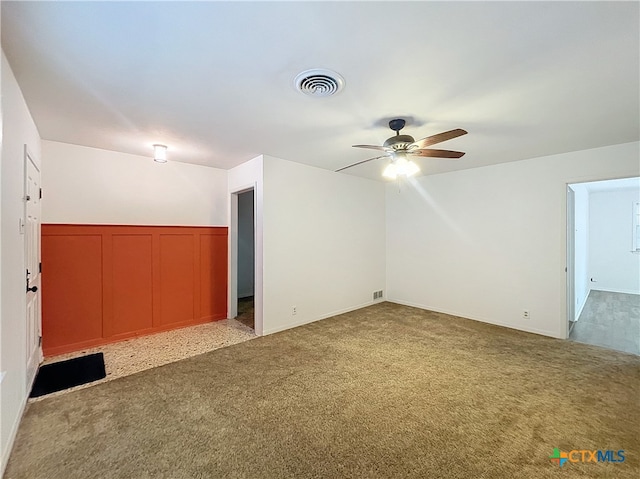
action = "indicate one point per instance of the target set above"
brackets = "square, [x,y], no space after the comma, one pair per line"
[246,258]
[246,310]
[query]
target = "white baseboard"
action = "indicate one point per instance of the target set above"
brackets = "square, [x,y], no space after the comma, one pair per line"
[552,334]
[324,316]
[13,433]
[4,459]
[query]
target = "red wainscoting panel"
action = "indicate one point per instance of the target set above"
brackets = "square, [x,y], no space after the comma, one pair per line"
[103,283]
[74,305]
[132,283]
[213,270]
[176,278]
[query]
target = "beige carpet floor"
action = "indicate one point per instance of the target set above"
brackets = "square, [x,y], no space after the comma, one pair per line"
[384,392]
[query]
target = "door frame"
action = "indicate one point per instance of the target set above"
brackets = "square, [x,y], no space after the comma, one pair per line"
[571,256]
[565,237]
[232,309]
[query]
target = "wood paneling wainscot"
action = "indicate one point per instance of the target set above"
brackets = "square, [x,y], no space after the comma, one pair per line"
[105,283]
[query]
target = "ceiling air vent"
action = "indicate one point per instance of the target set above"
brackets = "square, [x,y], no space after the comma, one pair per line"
[319,82]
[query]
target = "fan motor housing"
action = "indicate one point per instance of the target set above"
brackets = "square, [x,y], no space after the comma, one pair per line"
[399,142]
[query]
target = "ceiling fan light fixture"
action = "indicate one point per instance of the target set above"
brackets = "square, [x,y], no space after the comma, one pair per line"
[400,167]
[406,167]
[160,153]
[401,147]
[390,172]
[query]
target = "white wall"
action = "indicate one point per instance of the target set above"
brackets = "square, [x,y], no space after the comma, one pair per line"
[246,245]
[18,129]
[92,186]
[5,426]
[582,283]
[2,371]
[490,242]
[248,175]
[324,243]
[611,263]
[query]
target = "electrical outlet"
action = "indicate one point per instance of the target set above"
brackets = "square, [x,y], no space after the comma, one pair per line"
[294,310]
[525,314]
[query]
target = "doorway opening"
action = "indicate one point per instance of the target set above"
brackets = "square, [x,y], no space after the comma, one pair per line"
[603,263]
[246,259]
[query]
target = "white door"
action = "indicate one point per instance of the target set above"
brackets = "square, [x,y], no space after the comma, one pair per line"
[32,197]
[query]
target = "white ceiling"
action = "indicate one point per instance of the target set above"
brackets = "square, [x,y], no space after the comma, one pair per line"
[214,80]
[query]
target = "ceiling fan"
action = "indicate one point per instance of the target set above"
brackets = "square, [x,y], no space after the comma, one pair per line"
[400,149]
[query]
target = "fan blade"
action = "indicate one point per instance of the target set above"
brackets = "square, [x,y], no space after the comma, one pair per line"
[432,140]
[373,147]
[436,153]
[360,162]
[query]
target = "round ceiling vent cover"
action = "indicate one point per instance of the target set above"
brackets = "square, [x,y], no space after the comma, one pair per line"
[319,82]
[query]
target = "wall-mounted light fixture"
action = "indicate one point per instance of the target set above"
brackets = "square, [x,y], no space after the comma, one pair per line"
[160,153]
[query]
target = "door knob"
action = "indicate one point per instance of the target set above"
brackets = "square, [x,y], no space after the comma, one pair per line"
[33,289]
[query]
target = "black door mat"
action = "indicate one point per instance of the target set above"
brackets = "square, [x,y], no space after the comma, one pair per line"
[67,374]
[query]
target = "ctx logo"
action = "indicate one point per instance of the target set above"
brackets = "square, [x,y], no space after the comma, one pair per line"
[584,455]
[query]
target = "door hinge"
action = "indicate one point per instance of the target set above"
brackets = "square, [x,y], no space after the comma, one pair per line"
[39,341]
[40,267]
[40,193]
